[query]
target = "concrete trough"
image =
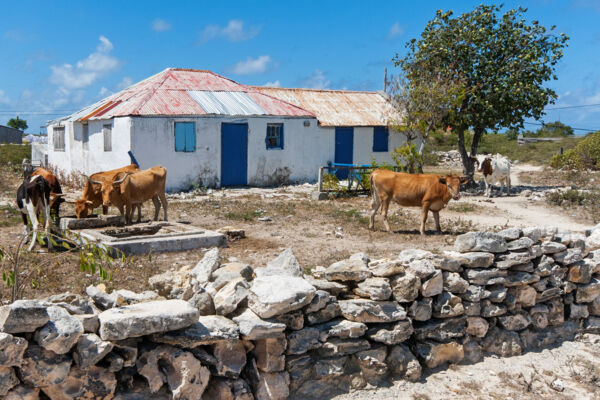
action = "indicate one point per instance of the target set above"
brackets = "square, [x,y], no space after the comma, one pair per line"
[155,237]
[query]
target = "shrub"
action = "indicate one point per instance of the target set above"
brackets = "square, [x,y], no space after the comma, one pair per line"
[586,155]
[408,158]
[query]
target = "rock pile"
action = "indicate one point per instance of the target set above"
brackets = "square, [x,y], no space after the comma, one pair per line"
[449,158]
[228,331]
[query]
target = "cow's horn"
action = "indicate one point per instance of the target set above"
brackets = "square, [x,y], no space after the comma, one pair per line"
[122,179]
[92,181]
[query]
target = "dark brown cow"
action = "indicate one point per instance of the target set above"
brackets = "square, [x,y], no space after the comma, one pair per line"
[428,191]
[92,192]
[33,198]
[132,189]
[56,194]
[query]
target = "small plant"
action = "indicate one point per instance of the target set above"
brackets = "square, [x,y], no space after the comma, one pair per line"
[586,155]
[331,182]
[408,158]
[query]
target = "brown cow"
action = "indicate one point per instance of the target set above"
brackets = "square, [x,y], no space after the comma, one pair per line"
[428,191]
[132,189]
[92,192]
[56,194]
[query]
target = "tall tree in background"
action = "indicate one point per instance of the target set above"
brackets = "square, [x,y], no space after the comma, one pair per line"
[501,60]
[17,123]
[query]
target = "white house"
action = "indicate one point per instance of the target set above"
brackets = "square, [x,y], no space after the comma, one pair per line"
[209,130]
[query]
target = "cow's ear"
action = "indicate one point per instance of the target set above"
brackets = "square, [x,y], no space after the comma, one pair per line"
[442,180]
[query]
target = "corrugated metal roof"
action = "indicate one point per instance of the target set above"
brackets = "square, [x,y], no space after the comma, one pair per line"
[226,103]
[338,107]
[186,92]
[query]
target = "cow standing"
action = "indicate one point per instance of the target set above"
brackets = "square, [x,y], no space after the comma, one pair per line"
[132,189]
[56,194]
[428,191]
[495,169]
[92,192]
[33,197]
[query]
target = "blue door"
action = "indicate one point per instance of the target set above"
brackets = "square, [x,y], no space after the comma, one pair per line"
[344,147]
[234,154]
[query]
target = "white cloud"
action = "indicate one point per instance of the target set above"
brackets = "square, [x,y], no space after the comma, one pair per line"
[395,31]
[316,80]
[4,98]
[273,84]
[233,32]
[251,66]
[160,25]
[87,71]
[27,94]
[103,92]
[125,83]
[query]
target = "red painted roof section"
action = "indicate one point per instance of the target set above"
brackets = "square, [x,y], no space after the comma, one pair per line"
[166,93]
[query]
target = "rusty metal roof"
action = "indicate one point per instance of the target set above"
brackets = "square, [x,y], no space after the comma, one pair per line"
[187,92]
[338,107]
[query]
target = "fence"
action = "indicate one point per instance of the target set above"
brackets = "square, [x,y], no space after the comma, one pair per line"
[355,177]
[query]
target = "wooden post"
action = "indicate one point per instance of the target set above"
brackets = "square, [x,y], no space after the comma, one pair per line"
[320,182]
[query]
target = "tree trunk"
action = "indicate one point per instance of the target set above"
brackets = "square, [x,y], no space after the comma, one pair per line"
[468,166]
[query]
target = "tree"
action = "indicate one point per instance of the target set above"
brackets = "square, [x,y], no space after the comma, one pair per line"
[555,129]
[501,61]
[422,106]
[17,123]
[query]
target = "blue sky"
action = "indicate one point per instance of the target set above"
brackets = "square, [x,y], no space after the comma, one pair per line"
[58,56]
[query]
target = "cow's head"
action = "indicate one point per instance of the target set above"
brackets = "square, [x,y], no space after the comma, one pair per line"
[453,183]
[83,208]
[112,189]
[56,199]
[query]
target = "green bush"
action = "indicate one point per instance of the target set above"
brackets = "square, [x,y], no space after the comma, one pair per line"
[408,158]
[586,155]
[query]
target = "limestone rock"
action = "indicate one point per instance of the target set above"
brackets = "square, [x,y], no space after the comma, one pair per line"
[477,326]
[433,286]
[580,272]
[553,247]
[43,368]
[332,310]
[335,288]
[402,363]
[421,268]
[129,297]
[420,310]
[453,283]
[497,293]
[102,299]
[480,241]
[273,386]
[515,322]
[299,342]
[474,293]
[446,263]
[475,259]
[208,329]
[447,305]
[472,309]
[22,392]
[269,353]
[230,356]
[592,242]
[89,322]
[524,295]
[372,364]
[486,276]
[391,334]
[556,312]
[441,329]
[146,318]
[227,389]
[203,302]
[435,354]
[293,321]
[252,327]
[520,278]
[61,332]
[577,311]
[502,343]
[275,295]
[489,309]
[12,349]
[409,255]
[319,302]
[8,380]
[346,270]
[227,273]
[405,288]
[594,307]
[520,244]
[588,293]
[90,349]
[341,347]
[284,264]
[539,316]
[568,257]
[75,304]
[374,289]
[362,310]
[512,259]
[510,233]
[342,329]
[534,233]
[230,296]
[202,272]
[171,284]
[185,375]
[95,383]
[385,267]
[23,316]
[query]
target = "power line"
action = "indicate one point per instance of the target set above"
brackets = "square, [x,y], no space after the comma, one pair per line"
[575,129]
[579,106]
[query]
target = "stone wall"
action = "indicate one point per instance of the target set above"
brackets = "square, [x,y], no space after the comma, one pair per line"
[223,330]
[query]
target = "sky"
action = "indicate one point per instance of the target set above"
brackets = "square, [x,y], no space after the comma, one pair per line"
[59,56]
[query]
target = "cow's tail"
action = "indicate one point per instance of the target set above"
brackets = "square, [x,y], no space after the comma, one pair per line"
[375,203]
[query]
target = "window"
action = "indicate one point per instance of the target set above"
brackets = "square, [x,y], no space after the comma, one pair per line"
[85,136]
[107,131]
[185,136]
[58,135]
[380,138]
[274,138]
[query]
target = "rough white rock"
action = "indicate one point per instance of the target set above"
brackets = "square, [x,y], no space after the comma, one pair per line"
[362,310]
[374,289]
[11,350]
[285,264]
[346,270]
[43,368]
[275,295]
[23,316]
[202,272]
[208,329]
[61,332]
[252,327]
[230,296]
[90,349]
[480,241]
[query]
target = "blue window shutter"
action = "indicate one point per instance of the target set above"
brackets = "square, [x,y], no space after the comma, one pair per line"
[190,136]
[281,133]
[179,136]
[380,138]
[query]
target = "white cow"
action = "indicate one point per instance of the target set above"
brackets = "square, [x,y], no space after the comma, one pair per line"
[494,169]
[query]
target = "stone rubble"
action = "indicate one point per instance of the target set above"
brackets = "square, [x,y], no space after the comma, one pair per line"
[228,331]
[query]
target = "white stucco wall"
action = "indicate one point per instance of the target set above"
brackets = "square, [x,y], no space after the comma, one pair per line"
[152,140]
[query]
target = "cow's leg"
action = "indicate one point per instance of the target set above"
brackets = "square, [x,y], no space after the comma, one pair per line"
[156,203]
[139,209]
[488,187]
[31,211]
[385,204]
[508,185]
[104,210]
[425,211]
[375,204]
[128,213]
[163,200]
[436,216]
[123,215]
[48,223]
